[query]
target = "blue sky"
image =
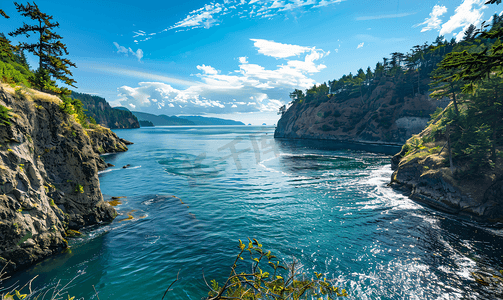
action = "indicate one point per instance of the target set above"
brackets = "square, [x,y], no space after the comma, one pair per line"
[236,59]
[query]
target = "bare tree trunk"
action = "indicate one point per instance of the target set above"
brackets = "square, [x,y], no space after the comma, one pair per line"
[454,100]
[40,46]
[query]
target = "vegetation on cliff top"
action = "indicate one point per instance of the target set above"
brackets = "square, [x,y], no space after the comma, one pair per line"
[468,72]
[471,129]
[53,67]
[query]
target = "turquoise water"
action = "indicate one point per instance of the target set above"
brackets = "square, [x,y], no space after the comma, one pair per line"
[328,207]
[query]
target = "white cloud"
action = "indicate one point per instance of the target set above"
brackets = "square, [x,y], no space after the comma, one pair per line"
[138,54]
[121,49]
[468,12]
[360,45]
[126,51]
[434,21]
[207,69]
[278,50]
[251,88]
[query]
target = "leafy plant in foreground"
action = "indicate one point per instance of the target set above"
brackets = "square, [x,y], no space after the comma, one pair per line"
[268,278]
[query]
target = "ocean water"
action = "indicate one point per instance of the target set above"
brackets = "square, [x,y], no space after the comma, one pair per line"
[192,192]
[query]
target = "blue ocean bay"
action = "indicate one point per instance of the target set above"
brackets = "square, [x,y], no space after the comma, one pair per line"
[192,192]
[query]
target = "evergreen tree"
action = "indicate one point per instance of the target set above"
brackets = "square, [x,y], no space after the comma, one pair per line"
[49,47]
[5,46]
[445,85]
[470,32]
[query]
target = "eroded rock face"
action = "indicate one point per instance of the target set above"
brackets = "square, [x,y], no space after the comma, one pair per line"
[381,117]
[48,180]
[103,140]
[429,180]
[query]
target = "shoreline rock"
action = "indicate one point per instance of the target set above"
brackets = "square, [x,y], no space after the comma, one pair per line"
[48,177]
[428,179]
[382,116]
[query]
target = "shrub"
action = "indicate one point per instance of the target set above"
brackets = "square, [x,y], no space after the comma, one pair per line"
[4,116]
[277,282]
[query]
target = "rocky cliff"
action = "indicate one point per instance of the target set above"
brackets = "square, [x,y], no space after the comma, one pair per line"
[382,116]
[48,177]
[422,169]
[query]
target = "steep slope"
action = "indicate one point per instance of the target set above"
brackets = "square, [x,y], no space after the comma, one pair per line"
[99,109]
[382,116]
[48,177]
[423,170]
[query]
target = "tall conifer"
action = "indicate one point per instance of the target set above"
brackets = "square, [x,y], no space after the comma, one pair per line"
[49,47]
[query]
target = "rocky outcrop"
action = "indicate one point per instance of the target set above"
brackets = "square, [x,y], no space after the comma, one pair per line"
[48,177]
[105,140]
[424,173]
[380,117]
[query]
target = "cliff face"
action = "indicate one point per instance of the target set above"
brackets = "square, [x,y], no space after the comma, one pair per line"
[99,109]
[48,178]
[423,170]
[382,116]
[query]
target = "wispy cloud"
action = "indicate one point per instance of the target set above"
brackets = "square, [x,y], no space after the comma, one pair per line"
[434,21]
[212,14]
[101,67]
[468,12]
[389,16]
[250,88]
[360,45]
[144,36]
[126,51]
[203,17]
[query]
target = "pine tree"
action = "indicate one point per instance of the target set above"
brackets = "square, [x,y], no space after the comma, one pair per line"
[470,32]
[49,47]
[443,85]
[5,46]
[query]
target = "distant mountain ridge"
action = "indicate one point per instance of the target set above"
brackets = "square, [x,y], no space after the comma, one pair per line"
[199,120]
[164,120]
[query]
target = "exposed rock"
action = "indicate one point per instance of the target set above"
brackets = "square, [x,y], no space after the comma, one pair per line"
[48,178]
[426,174]
[381,117]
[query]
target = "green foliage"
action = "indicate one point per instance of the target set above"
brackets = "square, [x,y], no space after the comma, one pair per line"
[4,116]
[268,278]
[42,81]
[14,73]
[435,115]
[78,189]
[74,107]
